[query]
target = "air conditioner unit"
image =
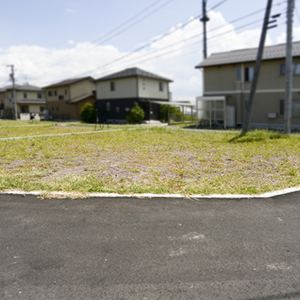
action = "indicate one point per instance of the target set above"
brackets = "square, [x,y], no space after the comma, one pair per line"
[272,115]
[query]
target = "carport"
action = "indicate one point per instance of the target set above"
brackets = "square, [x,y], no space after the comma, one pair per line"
[183,105]
[211,110]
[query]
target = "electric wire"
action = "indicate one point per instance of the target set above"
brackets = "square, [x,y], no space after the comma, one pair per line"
[127,55]
[148,44]
[96,43]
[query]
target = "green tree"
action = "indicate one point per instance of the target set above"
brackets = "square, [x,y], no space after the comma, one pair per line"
[88,113]
[136,114]
[172,110]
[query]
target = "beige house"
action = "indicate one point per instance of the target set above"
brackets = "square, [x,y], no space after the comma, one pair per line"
[117,93]
[230,74]
[30,99]
[65,99]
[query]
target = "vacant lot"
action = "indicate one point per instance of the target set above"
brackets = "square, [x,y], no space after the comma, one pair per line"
[144,160]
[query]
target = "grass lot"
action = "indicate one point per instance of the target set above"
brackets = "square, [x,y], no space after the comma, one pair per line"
[148,160]
[10,129]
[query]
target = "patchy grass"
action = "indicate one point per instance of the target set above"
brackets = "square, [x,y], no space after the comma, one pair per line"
[152,160]
[24,128]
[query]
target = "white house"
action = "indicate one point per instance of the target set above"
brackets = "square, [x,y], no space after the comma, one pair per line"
[117,93]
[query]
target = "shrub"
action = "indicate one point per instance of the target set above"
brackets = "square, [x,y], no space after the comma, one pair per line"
[88,113]
[176,112]
[136,114]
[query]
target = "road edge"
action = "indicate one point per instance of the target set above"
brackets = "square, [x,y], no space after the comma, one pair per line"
[73,195]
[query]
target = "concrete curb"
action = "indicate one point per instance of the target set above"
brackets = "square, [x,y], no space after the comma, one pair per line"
[178,196]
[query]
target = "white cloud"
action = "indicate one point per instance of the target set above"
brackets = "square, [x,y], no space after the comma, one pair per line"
[296,36]
[70,11]
[44,66]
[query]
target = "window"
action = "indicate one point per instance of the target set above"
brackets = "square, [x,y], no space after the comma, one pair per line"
[60,97]
[117,109]
[295,69]
[295,108]
[39,96]
[112,86]
[282,70]
[50,93]
[66,92]
[161,86]
[52,108]
[24,109]
[57,109]
[249,72]
[25,95]
[55,93]
[42,108]
[239,73]
[281,107]
[107,106]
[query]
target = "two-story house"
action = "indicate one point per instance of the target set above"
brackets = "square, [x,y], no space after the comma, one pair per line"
[230,74]
[117,93]
[65,99]
[29,99]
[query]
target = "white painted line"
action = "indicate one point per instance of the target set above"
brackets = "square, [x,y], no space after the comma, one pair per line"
[178,196]
[61,134]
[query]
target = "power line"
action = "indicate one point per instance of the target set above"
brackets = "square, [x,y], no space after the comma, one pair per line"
[150,43]
[128,27]
[199,42]
[147,54]
[192,37]
[98,40]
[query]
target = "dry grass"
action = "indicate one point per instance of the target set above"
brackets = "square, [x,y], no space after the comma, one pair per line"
[152,160]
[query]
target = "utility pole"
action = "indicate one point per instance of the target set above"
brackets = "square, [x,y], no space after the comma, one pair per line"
[288,69]
[12,77]
[258,64]
[204,19]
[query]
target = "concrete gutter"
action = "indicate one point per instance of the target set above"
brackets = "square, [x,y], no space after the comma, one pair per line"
[73,195]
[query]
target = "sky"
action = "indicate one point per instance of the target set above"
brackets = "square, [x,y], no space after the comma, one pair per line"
[49,41]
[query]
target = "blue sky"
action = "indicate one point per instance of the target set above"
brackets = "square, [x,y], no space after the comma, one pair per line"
[52,40]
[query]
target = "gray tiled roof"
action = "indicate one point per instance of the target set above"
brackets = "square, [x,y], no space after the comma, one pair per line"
[24,87]
[132,72]
[68,82]
[248,55]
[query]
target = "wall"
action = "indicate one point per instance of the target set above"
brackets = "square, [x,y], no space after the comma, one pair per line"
[270,90]
[61,91]
[83,87]
[124,88]
[149,88]
[224,78]
[61,108]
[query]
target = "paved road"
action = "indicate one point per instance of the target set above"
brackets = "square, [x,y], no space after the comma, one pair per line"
[149,248]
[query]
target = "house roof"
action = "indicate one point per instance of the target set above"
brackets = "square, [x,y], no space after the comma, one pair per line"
[132,72]
[248,55]
[24,87]
[81,98]
[68,82]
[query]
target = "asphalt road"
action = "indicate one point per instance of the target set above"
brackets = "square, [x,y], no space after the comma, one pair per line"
[149,248]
